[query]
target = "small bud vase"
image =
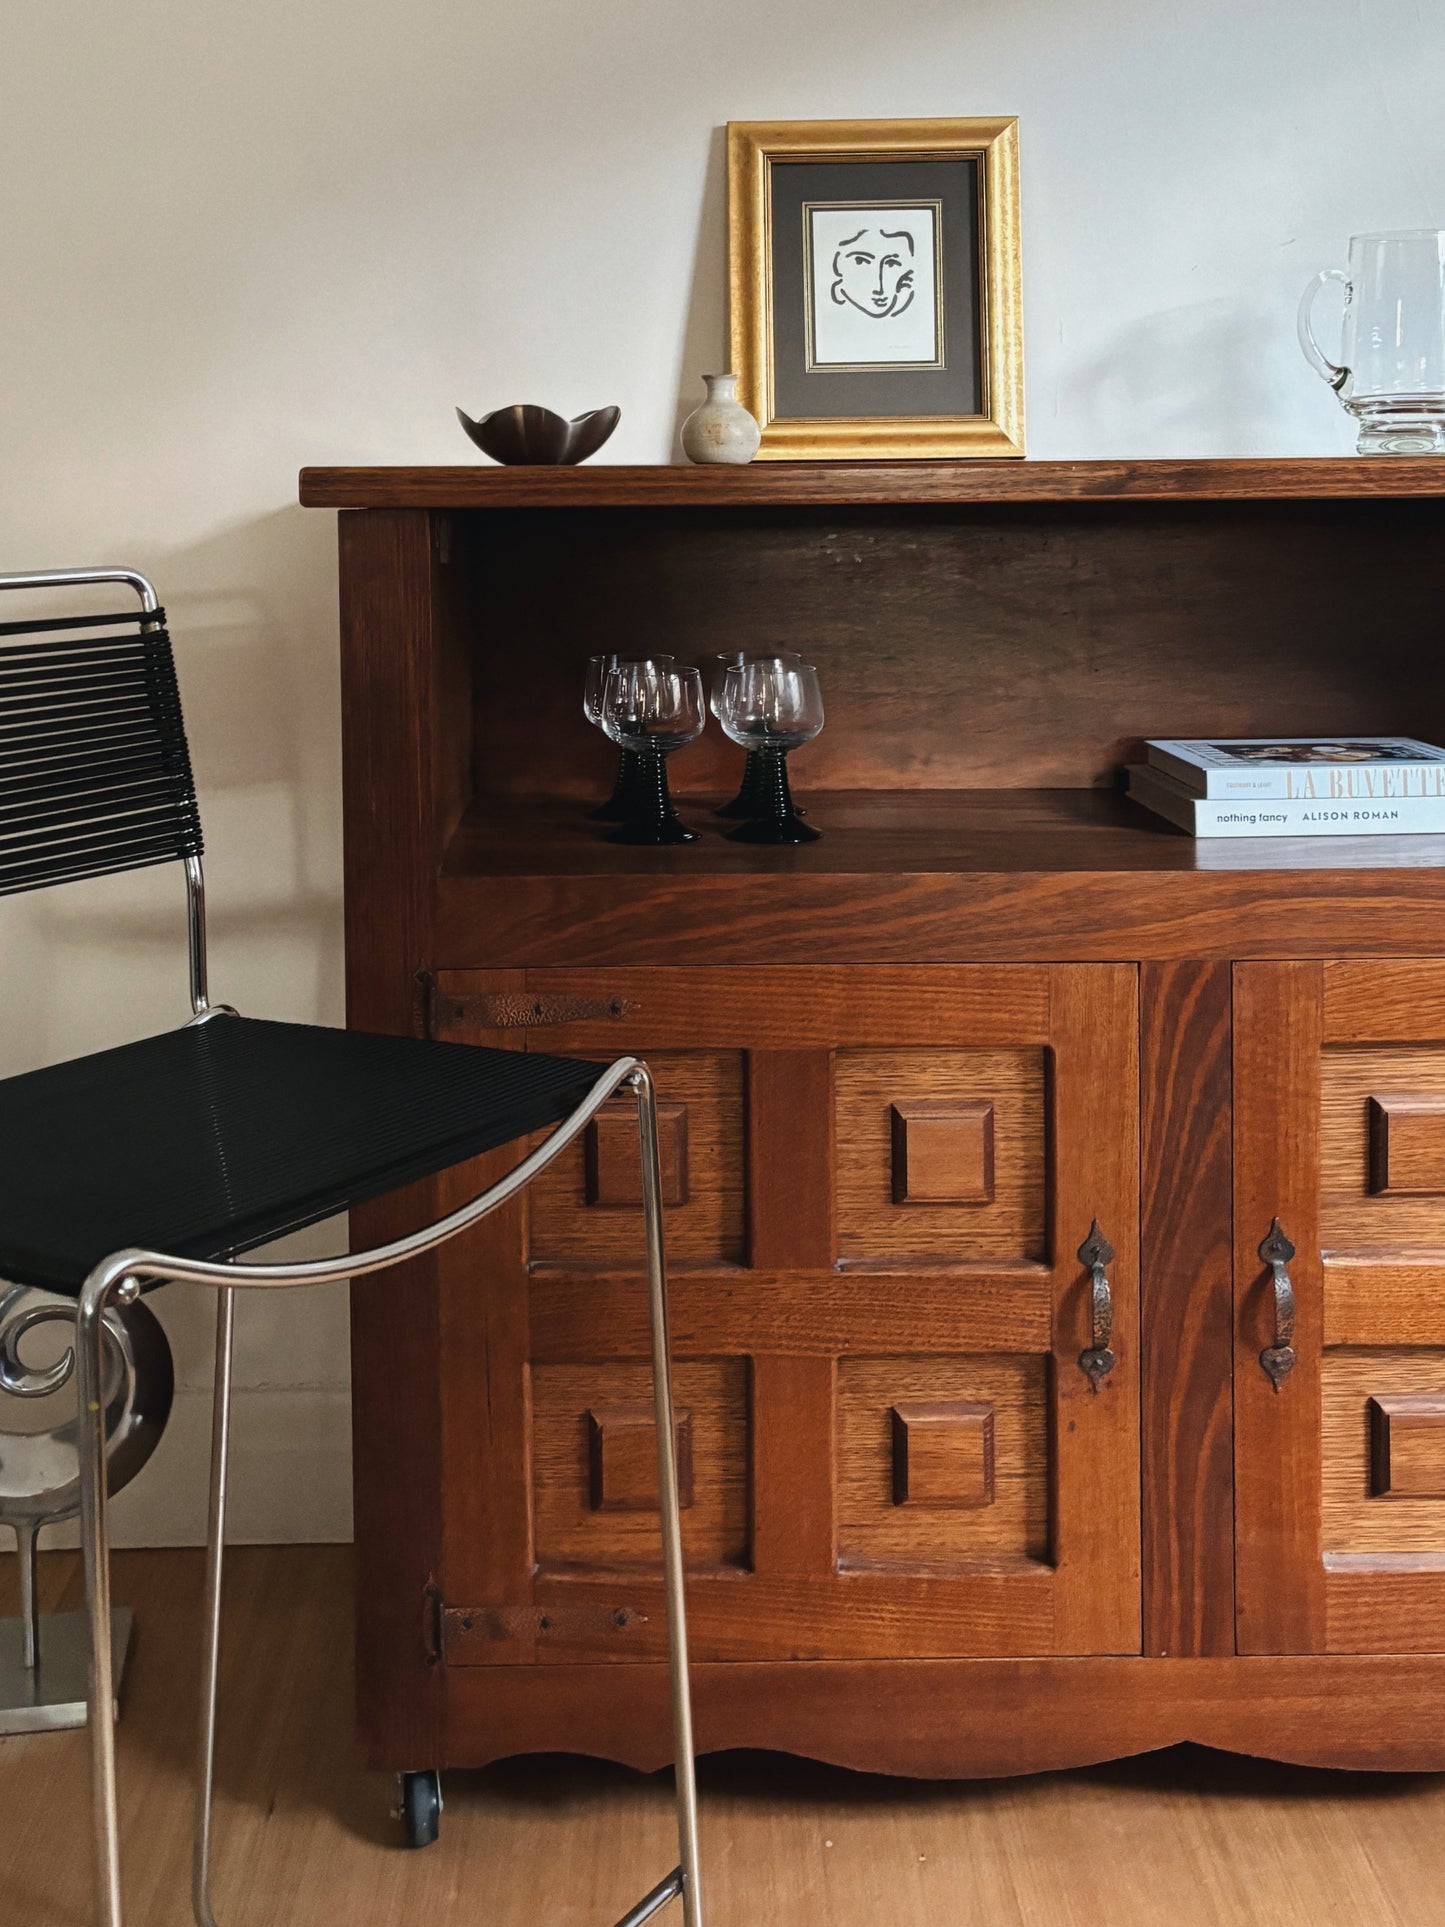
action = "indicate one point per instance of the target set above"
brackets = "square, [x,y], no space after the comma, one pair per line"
[721,430]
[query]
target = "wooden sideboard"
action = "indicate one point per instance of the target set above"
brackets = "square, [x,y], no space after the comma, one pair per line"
[904,1071]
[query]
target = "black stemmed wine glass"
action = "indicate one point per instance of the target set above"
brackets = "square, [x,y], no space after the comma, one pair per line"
[771,707]
[627,789]
[749,800]
[652,708]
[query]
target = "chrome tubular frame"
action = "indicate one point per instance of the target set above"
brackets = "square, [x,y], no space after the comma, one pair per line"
[195,880]
[121,1276]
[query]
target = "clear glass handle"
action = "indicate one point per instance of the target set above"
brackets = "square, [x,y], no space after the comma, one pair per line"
[1314,355]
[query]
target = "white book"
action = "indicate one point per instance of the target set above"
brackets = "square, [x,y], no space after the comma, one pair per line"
[1206,817]
[1305,769]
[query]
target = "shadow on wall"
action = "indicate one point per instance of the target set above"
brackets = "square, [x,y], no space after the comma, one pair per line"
[1234,353]
[257,664]
[705,337]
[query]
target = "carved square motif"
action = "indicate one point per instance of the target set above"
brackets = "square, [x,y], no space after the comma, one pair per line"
[943,1454]
[622,1457]
[943,1151]
[1407,1445]
[1407,1145]
[614,1162]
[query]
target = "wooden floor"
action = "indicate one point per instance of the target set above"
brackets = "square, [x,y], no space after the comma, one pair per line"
[1184,1838]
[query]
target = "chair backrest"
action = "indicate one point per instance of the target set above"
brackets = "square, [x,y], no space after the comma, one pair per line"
[95,774]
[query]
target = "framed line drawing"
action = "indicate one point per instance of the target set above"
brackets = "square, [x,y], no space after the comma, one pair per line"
[874,283]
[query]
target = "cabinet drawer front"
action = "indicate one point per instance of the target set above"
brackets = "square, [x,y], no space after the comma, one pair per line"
[879,1181]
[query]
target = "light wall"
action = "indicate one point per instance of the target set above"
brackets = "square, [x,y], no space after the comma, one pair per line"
[240,238]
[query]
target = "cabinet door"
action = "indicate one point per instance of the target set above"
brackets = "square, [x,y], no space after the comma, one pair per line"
[1339,1097]
[877,1184]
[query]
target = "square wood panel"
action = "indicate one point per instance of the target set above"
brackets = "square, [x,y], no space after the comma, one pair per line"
[1382,1147]
[1012,1527]
[1358,1515]
[574,1216]
[571,1530]
[996,1207]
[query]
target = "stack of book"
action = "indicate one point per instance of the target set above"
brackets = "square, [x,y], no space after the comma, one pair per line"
[1295,786]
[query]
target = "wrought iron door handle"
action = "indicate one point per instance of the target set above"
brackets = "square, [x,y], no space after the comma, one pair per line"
[1279,1359]
[1097,1360]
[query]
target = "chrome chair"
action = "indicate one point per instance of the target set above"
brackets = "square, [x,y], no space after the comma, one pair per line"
[159,1162]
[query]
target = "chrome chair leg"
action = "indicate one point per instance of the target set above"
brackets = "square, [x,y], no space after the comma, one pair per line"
[215,1559]
[687,1880]
[95,1543]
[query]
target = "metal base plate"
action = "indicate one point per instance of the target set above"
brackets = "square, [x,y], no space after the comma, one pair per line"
[53,1696]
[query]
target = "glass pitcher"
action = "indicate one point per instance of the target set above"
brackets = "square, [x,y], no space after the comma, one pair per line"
[1392,377]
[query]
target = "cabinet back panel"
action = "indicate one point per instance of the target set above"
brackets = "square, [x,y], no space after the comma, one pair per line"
[991,647]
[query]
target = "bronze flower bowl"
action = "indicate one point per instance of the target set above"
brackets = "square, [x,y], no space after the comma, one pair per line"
[525,434]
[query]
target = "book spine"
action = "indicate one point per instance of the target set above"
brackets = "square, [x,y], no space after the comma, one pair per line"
[1413,816]
[1299,783]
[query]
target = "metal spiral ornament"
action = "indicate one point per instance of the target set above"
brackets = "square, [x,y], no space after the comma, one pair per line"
[40,1468]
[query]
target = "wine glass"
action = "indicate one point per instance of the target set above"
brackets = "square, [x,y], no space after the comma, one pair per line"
[771,707]
[745,803]
[626,789]
[652,708]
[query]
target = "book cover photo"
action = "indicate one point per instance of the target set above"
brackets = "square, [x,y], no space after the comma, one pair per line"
[1302,768]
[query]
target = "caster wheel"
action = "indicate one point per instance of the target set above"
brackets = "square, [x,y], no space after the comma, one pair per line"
[419,1807]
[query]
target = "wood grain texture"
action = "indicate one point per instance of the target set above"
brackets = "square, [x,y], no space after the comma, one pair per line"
[622,1457]
[1095,1445]
[705,1227]
[1385,1298]
[1384,1000]
[978,1718]
[398,656]
[994,899]
[933,1531]
[571,1532]
[1407,1143]
[801,1313]
[1186,1309]
[873,1226]
[792,1160]
[759,1009]
[795,1416]
[989,611]
[738,1616]
[943,1453]
[1402,1393]
[943,1151]
[1385,1608]
[618,485]
[1362,1086]
[1407,1446]
[872,836]
[1278,1022]
[613,1161]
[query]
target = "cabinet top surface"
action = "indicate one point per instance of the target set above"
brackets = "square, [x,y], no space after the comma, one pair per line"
[806,484]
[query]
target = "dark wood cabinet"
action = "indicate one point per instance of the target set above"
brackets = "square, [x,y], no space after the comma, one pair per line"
[905,1072]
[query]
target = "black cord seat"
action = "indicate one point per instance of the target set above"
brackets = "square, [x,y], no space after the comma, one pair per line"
[211,1140]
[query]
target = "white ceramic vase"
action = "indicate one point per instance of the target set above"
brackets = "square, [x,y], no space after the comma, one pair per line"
[721,430]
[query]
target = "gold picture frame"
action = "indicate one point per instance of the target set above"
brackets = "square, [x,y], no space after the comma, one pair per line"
[988,373]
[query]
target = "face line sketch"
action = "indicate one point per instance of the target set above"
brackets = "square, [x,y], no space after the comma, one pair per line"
[876,280]
[872,285]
